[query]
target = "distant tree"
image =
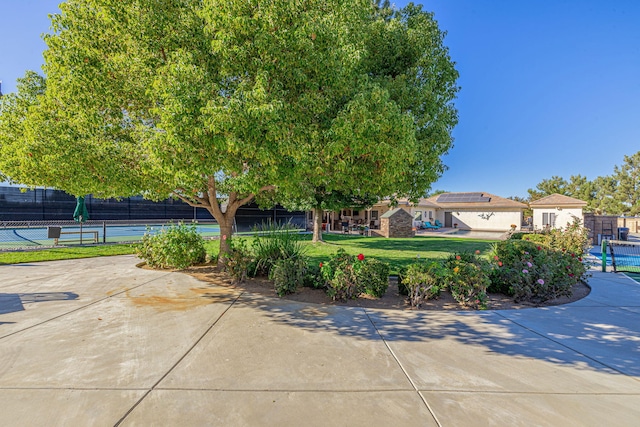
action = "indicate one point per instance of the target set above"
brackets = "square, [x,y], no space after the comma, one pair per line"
[528,212]
[547,187]
[628,189]
[435,193]
[606,200]
[579,187]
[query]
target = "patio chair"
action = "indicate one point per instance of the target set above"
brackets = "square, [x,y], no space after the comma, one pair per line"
[428,225]
[438,223]
[345,227]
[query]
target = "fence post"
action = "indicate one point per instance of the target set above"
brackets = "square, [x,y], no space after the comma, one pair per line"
[104,232]
[603,249]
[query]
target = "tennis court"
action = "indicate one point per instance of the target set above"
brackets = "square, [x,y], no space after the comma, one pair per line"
[17,235]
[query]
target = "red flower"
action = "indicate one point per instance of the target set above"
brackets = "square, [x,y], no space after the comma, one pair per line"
[573,255]
[539,248]
[477,252]
[579,259]
[360,257]
[496,257]
[570,274]
[320,265]
[458,257]
[499,263]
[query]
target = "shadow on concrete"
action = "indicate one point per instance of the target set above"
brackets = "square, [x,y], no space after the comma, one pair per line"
[10,303]
[612,343]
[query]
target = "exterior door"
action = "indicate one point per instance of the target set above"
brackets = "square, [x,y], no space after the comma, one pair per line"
[448,219]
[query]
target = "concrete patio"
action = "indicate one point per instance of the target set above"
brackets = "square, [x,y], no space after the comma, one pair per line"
[101,342]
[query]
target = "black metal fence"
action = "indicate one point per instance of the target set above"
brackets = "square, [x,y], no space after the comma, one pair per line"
[25,217]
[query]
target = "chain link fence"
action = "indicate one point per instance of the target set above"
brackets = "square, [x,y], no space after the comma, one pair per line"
[42,234]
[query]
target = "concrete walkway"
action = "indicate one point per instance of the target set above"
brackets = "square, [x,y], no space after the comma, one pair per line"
[99,342]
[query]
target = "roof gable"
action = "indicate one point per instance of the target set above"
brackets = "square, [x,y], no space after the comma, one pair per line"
[393,212]
[558,200]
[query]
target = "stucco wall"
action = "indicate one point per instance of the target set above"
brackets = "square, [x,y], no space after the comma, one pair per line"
[483,220]
[563,216]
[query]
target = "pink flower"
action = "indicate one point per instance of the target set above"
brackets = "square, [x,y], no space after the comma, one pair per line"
[541,282]
[529,265]
[457,257]
[360,257]
[525,271]
[477,252]
[224,237]
[499,263]
[496,258]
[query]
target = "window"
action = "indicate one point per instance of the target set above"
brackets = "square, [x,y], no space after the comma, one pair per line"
[356,213]
[417,216]
[374,215]
[548,219]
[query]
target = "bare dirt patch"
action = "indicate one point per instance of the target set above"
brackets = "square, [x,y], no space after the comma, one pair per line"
[391,300]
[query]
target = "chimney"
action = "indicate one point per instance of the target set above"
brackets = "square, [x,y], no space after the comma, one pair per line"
[0,87]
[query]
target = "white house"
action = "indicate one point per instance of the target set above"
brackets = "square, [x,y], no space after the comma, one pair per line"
[556,211]
[470,211]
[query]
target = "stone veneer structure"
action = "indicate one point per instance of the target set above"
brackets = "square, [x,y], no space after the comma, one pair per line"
[396,223]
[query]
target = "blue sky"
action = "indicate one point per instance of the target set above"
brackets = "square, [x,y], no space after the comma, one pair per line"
[549,87]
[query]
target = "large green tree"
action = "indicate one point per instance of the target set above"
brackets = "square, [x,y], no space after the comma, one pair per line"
[200,100]
[386,138]
[220,103]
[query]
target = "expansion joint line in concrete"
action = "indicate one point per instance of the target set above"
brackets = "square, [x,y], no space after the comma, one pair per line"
[83,307]
[404,371]
[562,344]
[189,350]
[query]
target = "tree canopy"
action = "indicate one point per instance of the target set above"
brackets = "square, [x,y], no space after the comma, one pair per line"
[386,138]
[220,103]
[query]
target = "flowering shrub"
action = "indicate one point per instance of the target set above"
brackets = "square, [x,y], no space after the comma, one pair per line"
[530,271]
[313,276]
[177,246]
[467,278]
[573,239]
[421,281]
[347,276]
[341,280]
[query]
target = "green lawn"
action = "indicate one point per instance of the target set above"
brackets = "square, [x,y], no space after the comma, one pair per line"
[396,252]
[72,252]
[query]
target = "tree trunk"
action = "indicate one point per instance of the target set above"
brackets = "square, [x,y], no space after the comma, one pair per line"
[226,231]
[317,225]
[208,199]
